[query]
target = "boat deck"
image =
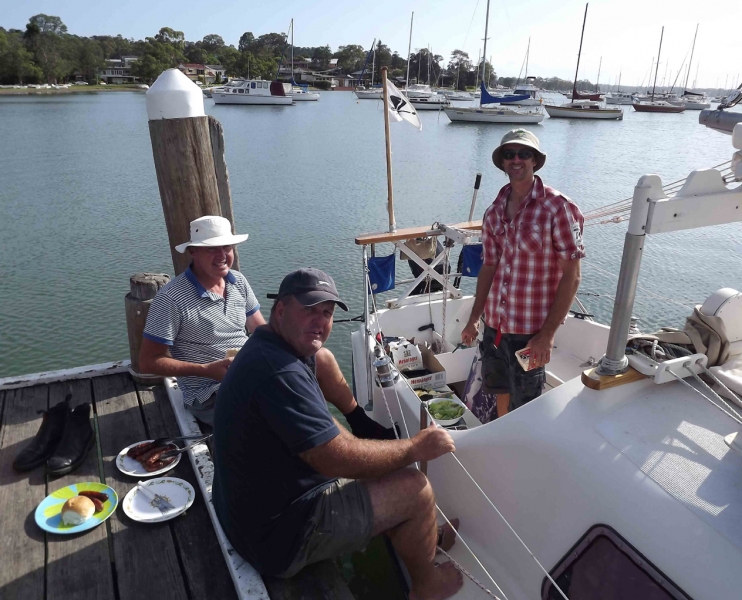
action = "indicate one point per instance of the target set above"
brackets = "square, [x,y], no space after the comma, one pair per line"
[120,559]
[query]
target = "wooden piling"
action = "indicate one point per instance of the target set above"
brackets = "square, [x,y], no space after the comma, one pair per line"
[143,289]
[192,177]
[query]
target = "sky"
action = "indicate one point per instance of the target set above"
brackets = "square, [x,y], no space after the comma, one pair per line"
[625,33]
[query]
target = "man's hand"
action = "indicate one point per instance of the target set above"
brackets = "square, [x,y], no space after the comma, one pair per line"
[469,333]
[218,369]
[432,442]
[541,345]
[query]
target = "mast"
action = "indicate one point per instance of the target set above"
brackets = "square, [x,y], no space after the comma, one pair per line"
[579,52]
[528,54]
[484,53]
[373,66]
[476,74]
[597,81]
[619,82]
[409,47]
[658,62]
[691,58]
[292,52]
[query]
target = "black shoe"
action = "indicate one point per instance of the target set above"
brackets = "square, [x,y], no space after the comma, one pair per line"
[76,442]
[47,439]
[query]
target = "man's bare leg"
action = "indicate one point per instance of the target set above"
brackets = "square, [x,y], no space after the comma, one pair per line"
[503,404]
[404,509]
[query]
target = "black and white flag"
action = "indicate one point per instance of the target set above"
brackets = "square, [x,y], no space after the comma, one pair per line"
[400,108]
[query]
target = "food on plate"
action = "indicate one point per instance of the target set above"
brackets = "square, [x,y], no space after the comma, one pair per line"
[136,451]
[94,495]
[231,353]
[77,510]
[446,410]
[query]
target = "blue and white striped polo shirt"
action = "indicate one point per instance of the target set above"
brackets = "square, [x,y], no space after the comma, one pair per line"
[200,326]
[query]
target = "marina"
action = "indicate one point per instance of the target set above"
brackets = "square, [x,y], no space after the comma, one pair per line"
[567,366]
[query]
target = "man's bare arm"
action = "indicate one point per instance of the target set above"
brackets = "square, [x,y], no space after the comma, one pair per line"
[351,457]
[332,382]
[254,321]
[484,283]
[542,343]
[155,358]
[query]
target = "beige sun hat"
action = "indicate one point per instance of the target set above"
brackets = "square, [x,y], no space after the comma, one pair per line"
[524,138]
[211,231]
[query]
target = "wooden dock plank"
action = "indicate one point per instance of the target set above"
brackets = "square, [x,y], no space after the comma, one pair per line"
[204,566]
[145,557]
[21,540]
[79,566]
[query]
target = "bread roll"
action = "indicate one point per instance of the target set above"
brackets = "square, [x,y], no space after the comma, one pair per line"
[77,510]
[231,353]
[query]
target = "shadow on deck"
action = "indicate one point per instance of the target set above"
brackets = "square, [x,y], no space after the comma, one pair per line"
[120,559]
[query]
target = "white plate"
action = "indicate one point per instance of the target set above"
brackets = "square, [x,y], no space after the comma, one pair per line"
[130,466]
[178,492]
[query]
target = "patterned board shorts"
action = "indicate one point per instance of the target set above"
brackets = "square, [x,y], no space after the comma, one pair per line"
[502,373]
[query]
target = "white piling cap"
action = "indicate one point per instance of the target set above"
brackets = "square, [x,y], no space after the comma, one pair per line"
[174,96]
[737,136]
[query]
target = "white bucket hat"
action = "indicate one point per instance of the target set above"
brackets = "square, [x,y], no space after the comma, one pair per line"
[524,138]
[211,231]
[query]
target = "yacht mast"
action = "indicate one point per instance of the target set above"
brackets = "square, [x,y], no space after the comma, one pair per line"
[528,54]
[373,66]
[693,48]
[484,54]
[409,47]
[597,81]
[579,52]
[292,52]
[658,62]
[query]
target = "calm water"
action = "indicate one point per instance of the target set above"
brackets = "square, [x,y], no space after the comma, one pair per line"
[80,208]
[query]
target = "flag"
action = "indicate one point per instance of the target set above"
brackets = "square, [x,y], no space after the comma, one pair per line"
[400,108]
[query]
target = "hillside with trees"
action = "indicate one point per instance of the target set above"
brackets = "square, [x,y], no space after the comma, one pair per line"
[46,52]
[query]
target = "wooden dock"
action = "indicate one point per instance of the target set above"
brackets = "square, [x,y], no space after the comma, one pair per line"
[120,559]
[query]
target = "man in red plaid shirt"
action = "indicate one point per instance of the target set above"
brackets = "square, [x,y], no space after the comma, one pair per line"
[532,238]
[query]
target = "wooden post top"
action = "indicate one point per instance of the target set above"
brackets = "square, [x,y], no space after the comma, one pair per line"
[144,286]
[409,233]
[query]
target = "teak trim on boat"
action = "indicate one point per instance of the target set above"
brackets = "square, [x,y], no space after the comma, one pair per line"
[409,233]
[594,381]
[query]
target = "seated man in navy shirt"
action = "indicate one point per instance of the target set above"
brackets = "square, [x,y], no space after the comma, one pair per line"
[291,486]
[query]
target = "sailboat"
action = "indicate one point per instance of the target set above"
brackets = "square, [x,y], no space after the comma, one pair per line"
[619,97]
[657,106]
[694,100]
[370,93]
[498,114]
[583,109]
[300,93]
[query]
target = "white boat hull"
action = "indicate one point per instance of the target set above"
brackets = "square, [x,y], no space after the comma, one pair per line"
[368,94]
[250,99]
[697,105]
[493,115]
[423,105]
[561,112]
[306,97]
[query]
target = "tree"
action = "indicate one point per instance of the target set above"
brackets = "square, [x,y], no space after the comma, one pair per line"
[212,42]
[351,57]
[459,64]
[246,41]
[16,62]
[227,57]
[48,24]
[321,56]
[166,35]
[383,59]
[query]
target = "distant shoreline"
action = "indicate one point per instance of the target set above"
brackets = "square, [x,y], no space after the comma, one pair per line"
[70,90]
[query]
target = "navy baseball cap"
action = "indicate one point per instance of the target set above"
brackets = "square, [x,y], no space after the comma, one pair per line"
[309,286]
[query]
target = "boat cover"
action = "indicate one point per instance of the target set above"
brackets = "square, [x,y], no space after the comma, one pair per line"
[381,273]
[472,260]
[488,98]
[277,88]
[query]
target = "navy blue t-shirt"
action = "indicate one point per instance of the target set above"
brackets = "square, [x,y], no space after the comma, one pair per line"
[269,410]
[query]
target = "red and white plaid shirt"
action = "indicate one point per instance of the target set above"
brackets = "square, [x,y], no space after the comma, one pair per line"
[526,250]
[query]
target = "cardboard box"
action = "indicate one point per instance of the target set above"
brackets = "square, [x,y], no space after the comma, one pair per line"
[437,376]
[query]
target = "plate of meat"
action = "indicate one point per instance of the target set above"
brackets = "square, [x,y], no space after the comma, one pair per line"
[143,459]
[64,512]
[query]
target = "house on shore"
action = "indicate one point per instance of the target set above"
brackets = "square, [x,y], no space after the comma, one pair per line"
[117,70]
[203,73]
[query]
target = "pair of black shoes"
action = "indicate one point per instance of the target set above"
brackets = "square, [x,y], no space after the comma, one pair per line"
[62,442]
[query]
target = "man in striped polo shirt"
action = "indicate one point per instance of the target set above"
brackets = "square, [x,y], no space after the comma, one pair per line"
[204,311]
[199,315]
[532,239]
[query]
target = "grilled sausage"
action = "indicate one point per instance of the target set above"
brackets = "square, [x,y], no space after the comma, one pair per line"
[100,496]
[139,449]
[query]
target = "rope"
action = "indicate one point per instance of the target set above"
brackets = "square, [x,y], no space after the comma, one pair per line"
[736,416]
[721,384]
[700,393]
[446,266]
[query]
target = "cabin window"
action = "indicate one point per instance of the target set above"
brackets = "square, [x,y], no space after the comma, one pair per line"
[265,85]
[252,84]
[234,91]
[604,566]
[240,91]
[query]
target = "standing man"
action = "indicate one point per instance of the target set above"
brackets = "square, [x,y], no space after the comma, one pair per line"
[291,487]
[532,239]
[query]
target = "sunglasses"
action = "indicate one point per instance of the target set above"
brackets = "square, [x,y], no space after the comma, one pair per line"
[522,154]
